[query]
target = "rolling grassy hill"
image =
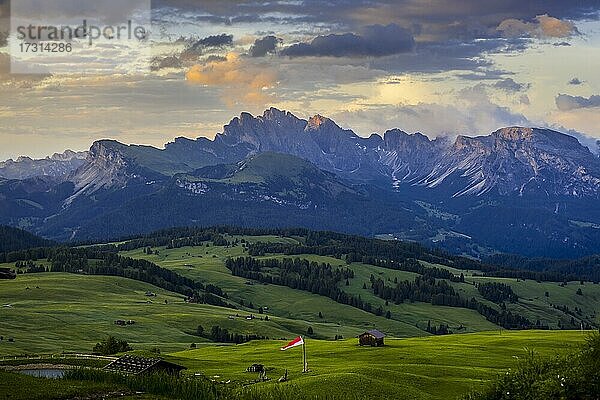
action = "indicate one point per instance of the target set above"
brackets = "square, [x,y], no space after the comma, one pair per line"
[55,312]
[207,264]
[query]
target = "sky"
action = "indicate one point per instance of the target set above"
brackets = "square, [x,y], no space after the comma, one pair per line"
[460,67]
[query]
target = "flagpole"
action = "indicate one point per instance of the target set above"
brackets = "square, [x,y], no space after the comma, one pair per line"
[304,369]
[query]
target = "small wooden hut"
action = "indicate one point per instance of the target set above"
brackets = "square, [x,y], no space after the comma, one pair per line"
[371,338]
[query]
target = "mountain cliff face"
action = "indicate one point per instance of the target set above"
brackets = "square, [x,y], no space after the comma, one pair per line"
[109,165]
[518,161]
[524,190]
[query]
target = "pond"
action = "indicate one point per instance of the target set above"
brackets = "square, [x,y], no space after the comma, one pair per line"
[51,373]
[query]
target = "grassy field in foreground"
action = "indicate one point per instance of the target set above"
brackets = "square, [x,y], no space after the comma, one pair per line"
[15,386]
[416,368]
[442,367]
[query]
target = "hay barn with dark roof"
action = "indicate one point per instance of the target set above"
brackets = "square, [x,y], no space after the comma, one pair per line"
[141,365]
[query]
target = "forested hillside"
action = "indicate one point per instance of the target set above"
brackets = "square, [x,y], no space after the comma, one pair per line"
[13,239]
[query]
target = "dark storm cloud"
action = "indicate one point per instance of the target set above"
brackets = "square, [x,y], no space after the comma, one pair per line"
[264,46]
[452,55]
[195,48]
[566,102]
[449,35]
[374,40]
[215,41]
[466,19]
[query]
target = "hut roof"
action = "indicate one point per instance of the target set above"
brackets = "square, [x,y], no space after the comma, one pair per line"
[375,333]
[136,365]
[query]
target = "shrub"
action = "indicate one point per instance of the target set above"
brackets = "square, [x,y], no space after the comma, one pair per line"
[575,376]
[111,345]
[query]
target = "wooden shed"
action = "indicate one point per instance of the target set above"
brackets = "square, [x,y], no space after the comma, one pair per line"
[140,365]
[371,338]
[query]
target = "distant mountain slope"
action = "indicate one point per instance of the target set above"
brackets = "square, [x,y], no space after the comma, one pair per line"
[272,174]
[265,190]
[13,239]
[55,166]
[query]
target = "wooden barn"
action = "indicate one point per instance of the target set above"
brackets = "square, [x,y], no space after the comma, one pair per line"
[371,338]
[7,273]
[134,365]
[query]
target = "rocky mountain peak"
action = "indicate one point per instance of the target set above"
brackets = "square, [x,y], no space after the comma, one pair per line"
[55,166]
[316,121]
[514,133]
[275,114]
[510,160]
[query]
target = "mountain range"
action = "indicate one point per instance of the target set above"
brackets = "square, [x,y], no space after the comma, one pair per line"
[519,190]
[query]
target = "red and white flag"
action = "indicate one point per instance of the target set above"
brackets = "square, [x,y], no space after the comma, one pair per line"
[296,342]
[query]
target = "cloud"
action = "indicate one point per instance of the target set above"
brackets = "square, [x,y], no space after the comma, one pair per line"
[159,63]
[471,113]
[195,48]
[373,41]
[242,82]
[566,102]
[510,85]
[575,81]
[451,56]
[215,41]
[542,26]
[467,17]
[4,22]
[23,81]
[214,58]
[193,51]
[264,46]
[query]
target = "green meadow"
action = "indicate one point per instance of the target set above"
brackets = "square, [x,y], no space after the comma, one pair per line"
[56,312]
[207,264]
[443,367]
[50,313]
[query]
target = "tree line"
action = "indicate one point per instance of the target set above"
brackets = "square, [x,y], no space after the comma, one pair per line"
[324,280]
[356,249]
[438,292]
[301,274]
[497,292]
[222,335]
[391,254]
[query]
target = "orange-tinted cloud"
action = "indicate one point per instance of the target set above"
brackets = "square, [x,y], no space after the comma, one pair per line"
[544,26]
[242,81]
